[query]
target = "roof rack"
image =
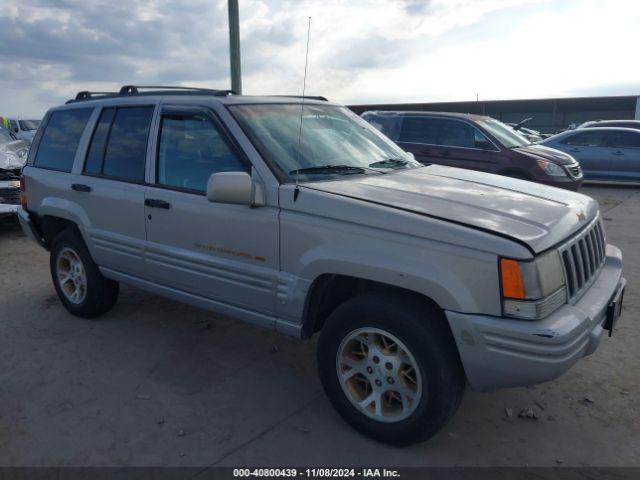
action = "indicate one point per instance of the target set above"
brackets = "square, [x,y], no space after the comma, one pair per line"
[131,90]
[312,97]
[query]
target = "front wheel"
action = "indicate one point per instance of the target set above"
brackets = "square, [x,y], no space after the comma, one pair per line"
[389,365]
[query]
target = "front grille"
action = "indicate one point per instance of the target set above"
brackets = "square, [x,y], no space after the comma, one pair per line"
[10,196]
[575,170]
[582,258]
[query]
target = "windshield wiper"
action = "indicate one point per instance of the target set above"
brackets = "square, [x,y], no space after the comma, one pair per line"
[389,163]
[337,169]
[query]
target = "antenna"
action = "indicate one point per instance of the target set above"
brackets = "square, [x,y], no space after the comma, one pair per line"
[296,192]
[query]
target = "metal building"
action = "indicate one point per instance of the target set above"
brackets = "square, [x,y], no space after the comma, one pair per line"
[549,115]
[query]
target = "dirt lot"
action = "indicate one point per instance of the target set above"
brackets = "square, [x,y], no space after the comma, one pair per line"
[158,383]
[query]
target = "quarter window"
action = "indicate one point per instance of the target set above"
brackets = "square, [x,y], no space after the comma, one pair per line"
[191,149]
[61,137]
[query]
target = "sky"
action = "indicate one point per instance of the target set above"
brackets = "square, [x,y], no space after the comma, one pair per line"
[361,51]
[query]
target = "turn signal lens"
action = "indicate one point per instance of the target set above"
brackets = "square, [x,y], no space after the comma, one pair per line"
[512,283]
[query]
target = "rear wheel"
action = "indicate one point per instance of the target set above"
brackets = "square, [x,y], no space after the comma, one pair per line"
[390,367]
[82,289]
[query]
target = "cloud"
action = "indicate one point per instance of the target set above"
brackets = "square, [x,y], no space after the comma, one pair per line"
[364,51]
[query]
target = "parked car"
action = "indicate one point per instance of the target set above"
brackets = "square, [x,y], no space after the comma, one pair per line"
[23,129]
[297,215]
[477,143]
[604,153]
[13,155]
[612,123]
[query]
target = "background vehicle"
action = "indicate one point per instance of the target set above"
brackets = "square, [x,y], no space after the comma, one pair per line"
[477,143]
[23,129]
[611,123]
[417,278]
[13,155]
[605,153]
[532,135]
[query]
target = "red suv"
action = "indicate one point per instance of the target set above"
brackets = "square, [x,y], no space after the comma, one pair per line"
[477,143]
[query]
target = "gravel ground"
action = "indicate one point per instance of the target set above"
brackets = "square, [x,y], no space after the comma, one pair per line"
[156,382]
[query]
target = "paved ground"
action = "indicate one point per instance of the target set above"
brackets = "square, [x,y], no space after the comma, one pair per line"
[159,383]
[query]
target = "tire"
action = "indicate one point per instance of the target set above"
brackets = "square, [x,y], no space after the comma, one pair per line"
[99,293]
[438,381]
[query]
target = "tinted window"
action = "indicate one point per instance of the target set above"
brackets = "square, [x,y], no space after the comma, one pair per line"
[419,130]
[29,124]
[595,138]
[624,140]
[191,149]
[127,145]
[13,125]
[60,139]
[95,155]
[457,134]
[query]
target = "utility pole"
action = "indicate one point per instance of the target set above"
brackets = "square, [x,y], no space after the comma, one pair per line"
[234,46]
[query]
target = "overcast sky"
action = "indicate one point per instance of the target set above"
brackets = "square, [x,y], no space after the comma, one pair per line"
[361,51]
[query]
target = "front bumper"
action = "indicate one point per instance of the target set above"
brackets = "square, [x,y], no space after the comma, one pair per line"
[9,192]
[499,352]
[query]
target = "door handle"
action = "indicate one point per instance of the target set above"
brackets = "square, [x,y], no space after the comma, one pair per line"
[155,203]
[78,187]
[574,149]
[445,153]
[618,152]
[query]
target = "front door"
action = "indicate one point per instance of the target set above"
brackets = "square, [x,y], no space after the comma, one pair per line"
[625,154]
[221,253]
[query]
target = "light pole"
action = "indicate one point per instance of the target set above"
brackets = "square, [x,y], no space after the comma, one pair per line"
[234,46]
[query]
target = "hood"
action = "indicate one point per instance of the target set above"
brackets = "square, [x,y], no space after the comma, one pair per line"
[532,214]
[546,153]
[13,155]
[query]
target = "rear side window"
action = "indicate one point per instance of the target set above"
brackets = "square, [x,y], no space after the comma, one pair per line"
[60,139]
[419,130]
[595,138]
[119,145]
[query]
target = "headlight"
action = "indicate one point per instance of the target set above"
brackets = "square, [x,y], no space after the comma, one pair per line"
[532,289]
[551,168]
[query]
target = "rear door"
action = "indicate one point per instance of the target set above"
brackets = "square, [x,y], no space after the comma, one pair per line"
[625,154]
[591,148]
[418,135]
[222,253]
[112,185]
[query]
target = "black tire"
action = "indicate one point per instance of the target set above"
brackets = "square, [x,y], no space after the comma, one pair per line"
[101,293]
[423,329]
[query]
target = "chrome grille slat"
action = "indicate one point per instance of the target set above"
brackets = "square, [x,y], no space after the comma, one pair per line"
[582,258]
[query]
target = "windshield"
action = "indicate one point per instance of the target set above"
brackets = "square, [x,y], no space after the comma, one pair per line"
[334,141]
[29,124]
[5,136]
[505,135]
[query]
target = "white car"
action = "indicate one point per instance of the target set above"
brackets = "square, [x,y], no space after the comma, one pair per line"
[13,155]
[23,129]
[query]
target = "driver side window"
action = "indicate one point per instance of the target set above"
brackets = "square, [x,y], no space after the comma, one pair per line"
[191,148]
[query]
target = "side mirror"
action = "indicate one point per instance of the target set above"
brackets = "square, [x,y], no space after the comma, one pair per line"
[236,188]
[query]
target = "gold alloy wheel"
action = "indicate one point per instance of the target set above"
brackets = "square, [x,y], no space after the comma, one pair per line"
[379,375]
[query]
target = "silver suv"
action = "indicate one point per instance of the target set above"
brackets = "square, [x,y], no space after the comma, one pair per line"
[296,215]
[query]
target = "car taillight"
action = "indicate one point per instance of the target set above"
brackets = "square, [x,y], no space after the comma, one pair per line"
[23,192]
